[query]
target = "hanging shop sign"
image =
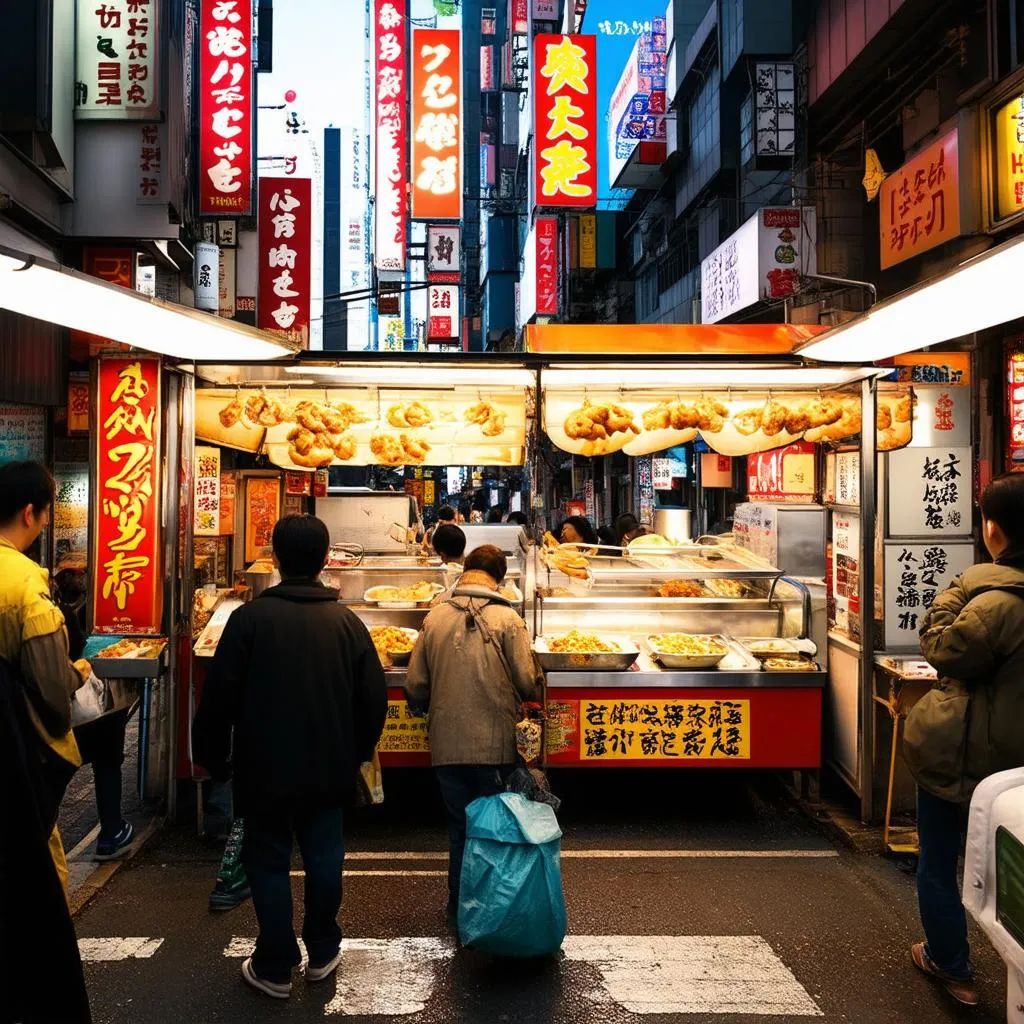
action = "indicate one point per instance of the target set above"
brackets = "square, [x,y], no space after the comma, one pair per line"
[285,236]
[226,284]
[915,574]
[151,165]
[206,482]
[762,261]
[518,17]
[128,581]
[565,120]
[390,210]
[588,241]
[442,312]
[930,492]
[436,124]
[488,81]
[545,10]
[784,475]
[116,60]
[225,107]
[444,248]
[547,266]
[919,205]
[393,335]
[78,405]
[1008,159]
[1015,404]
[206,276]
[364,427]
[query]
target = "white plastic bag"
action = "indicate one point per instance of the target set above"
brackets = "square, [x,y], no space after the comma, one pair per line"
[89,701]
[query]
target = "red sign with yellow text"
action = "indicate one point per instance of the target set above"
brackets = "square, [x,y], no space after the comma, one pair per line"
[128,578]
[565,120]
[920,203]
[436,124]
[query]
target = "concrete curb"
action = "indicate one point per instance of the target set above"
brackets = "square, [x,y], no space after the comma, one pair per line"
[102,873]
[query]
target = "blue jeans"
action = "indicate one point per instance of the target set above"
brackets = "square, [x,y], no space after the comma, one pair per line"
[461,784]
[940,826]
[267,856]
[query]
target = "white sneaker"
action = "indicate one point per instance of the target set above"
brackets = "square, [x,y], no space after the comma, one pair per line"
[323,973]
[268,988]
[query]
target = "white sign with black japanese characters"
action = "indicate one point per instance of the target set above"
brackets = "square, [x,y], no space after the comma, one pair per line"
[915,574]
[930,492]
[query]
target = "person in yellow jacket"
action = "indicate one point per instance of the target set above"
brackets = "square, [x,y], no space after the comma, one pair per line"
[33,638]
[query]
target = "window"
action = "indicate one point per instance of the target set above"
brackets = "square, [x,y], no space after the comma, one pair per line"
[747,129]
[775,93]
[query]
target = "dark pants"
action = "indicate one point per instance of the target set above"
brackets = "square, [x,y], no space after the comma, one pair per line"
[940,826]
[101,744]
[267,857]
[461,784]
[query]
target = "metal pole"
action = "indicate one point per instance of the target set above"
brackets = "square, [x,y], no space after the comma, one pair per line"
[868,507]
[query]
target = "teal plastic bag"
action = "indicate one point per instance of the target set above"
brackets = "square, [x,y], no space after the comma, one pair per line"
[510,898]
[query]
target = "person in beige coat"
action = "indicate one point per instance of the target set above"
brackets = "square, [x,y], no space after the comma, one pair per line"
[471,668]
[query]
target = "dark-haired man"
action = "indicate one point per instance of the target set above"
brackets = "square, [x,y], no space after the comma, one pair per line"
[472,666]
[33,638]
[297,679]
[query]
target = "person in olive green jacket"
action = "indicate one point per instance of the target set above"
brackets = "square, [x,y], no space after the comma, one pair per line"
[970,725]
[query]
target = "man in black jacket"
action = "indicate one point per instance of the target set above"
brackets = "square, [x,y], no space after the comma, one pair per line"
[298,679]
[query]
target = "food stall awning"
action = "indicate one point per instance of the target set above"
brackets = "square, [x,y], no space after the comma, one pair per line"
[981,293]
[709,340]
[49,291]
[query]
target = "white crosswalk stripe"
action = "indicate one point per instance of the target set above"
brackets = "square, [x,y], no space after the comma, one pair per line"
[643,974]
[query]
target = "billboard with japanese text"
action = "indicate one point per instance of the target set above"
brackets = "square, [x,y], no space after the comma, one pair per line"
[285,241]
[390,134]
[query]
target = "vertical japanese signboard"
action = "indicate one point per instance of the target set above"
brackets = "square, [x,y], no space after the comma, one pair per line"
[565,120]
[1008,158]
[436,124]
[443,253]
[151,165]
[390,134]
[128,582]
[225,107]
[547,266]
[915,574]
[1015,403]
[205,274]
[117,45]
[285,236]
[443,315]
[588,241]
[206,506]
[930,492]
[919,204]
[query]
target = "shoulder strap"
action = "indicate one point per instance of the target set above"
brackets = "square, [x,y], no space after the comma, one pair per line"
[488,637]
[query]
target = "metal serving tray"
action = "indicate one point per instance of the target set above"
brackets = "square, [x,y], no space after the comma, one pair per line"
[619,661]
[128,668]
[690,661]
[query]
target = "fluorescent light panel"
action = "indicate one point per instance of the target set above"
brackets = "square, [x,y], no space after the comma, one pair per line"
[81,303]
[981,293]
[676,376]
[421,374]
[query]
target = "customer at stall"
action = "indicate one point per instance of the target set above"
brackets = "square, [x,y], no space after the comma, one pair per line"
[969,725]
[295,701]
[517,518]
[577,530]
[33,637]
[449,543]
[446,516]
[470,668]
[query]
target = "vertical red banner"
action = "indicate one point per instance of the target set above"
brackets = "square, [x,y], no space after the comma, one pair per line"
[436,124]
[391,130]
[225,107]
[547,266]
[565,120]
[128,575]
[286,238]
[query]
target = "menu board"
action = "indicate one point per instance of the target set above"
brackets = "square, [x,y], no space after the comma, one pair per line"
[847,483]
[206,504]
[846,573]
[755,527]
[22,433]
[930,492]
[262,510]
[71,509]
[914,575]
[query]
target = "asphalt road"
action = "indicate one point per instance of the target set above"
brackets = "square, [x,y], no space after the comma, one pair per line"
[726,907]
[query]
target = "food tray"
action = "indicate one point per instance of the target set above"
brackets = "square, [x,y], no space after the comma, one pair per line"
[401,658]
[370,599]
[126,668]
[597,662]
[518,594]
[769,647]
[690,661]
[800,664]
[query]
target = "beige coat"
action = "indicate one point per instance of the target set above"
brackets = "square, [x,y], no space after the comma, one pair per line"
[462,678]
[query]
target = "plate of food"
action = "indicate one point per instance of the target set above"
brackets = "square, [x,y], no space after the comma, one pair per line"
[769,647]
[403,597]
[681,588]
[688,650]
[394,644]
[579,651]
[799,664]
[732,589]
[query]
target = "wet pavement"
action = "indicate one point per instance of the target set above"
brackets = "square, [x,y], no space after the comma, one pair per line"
[692,897]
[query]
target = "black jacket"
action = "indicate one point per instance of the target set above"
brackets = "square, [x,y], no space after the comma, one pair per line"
[298,678]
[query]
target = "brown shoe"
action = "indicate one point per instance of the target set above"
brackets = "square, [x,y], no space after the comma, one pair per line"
[963,991]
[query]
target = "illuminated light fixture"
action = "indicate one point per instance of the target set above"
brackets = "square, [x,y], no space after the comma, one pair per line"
[421,374]
[658,377]
[981,293]
[57,294]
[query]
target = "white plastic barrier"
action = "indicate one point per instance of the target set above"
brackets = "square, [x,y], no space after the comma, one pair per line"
[994,876]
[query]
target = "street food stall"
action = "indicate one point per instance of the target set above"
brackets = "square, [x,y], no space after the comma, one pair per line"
[695,652]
